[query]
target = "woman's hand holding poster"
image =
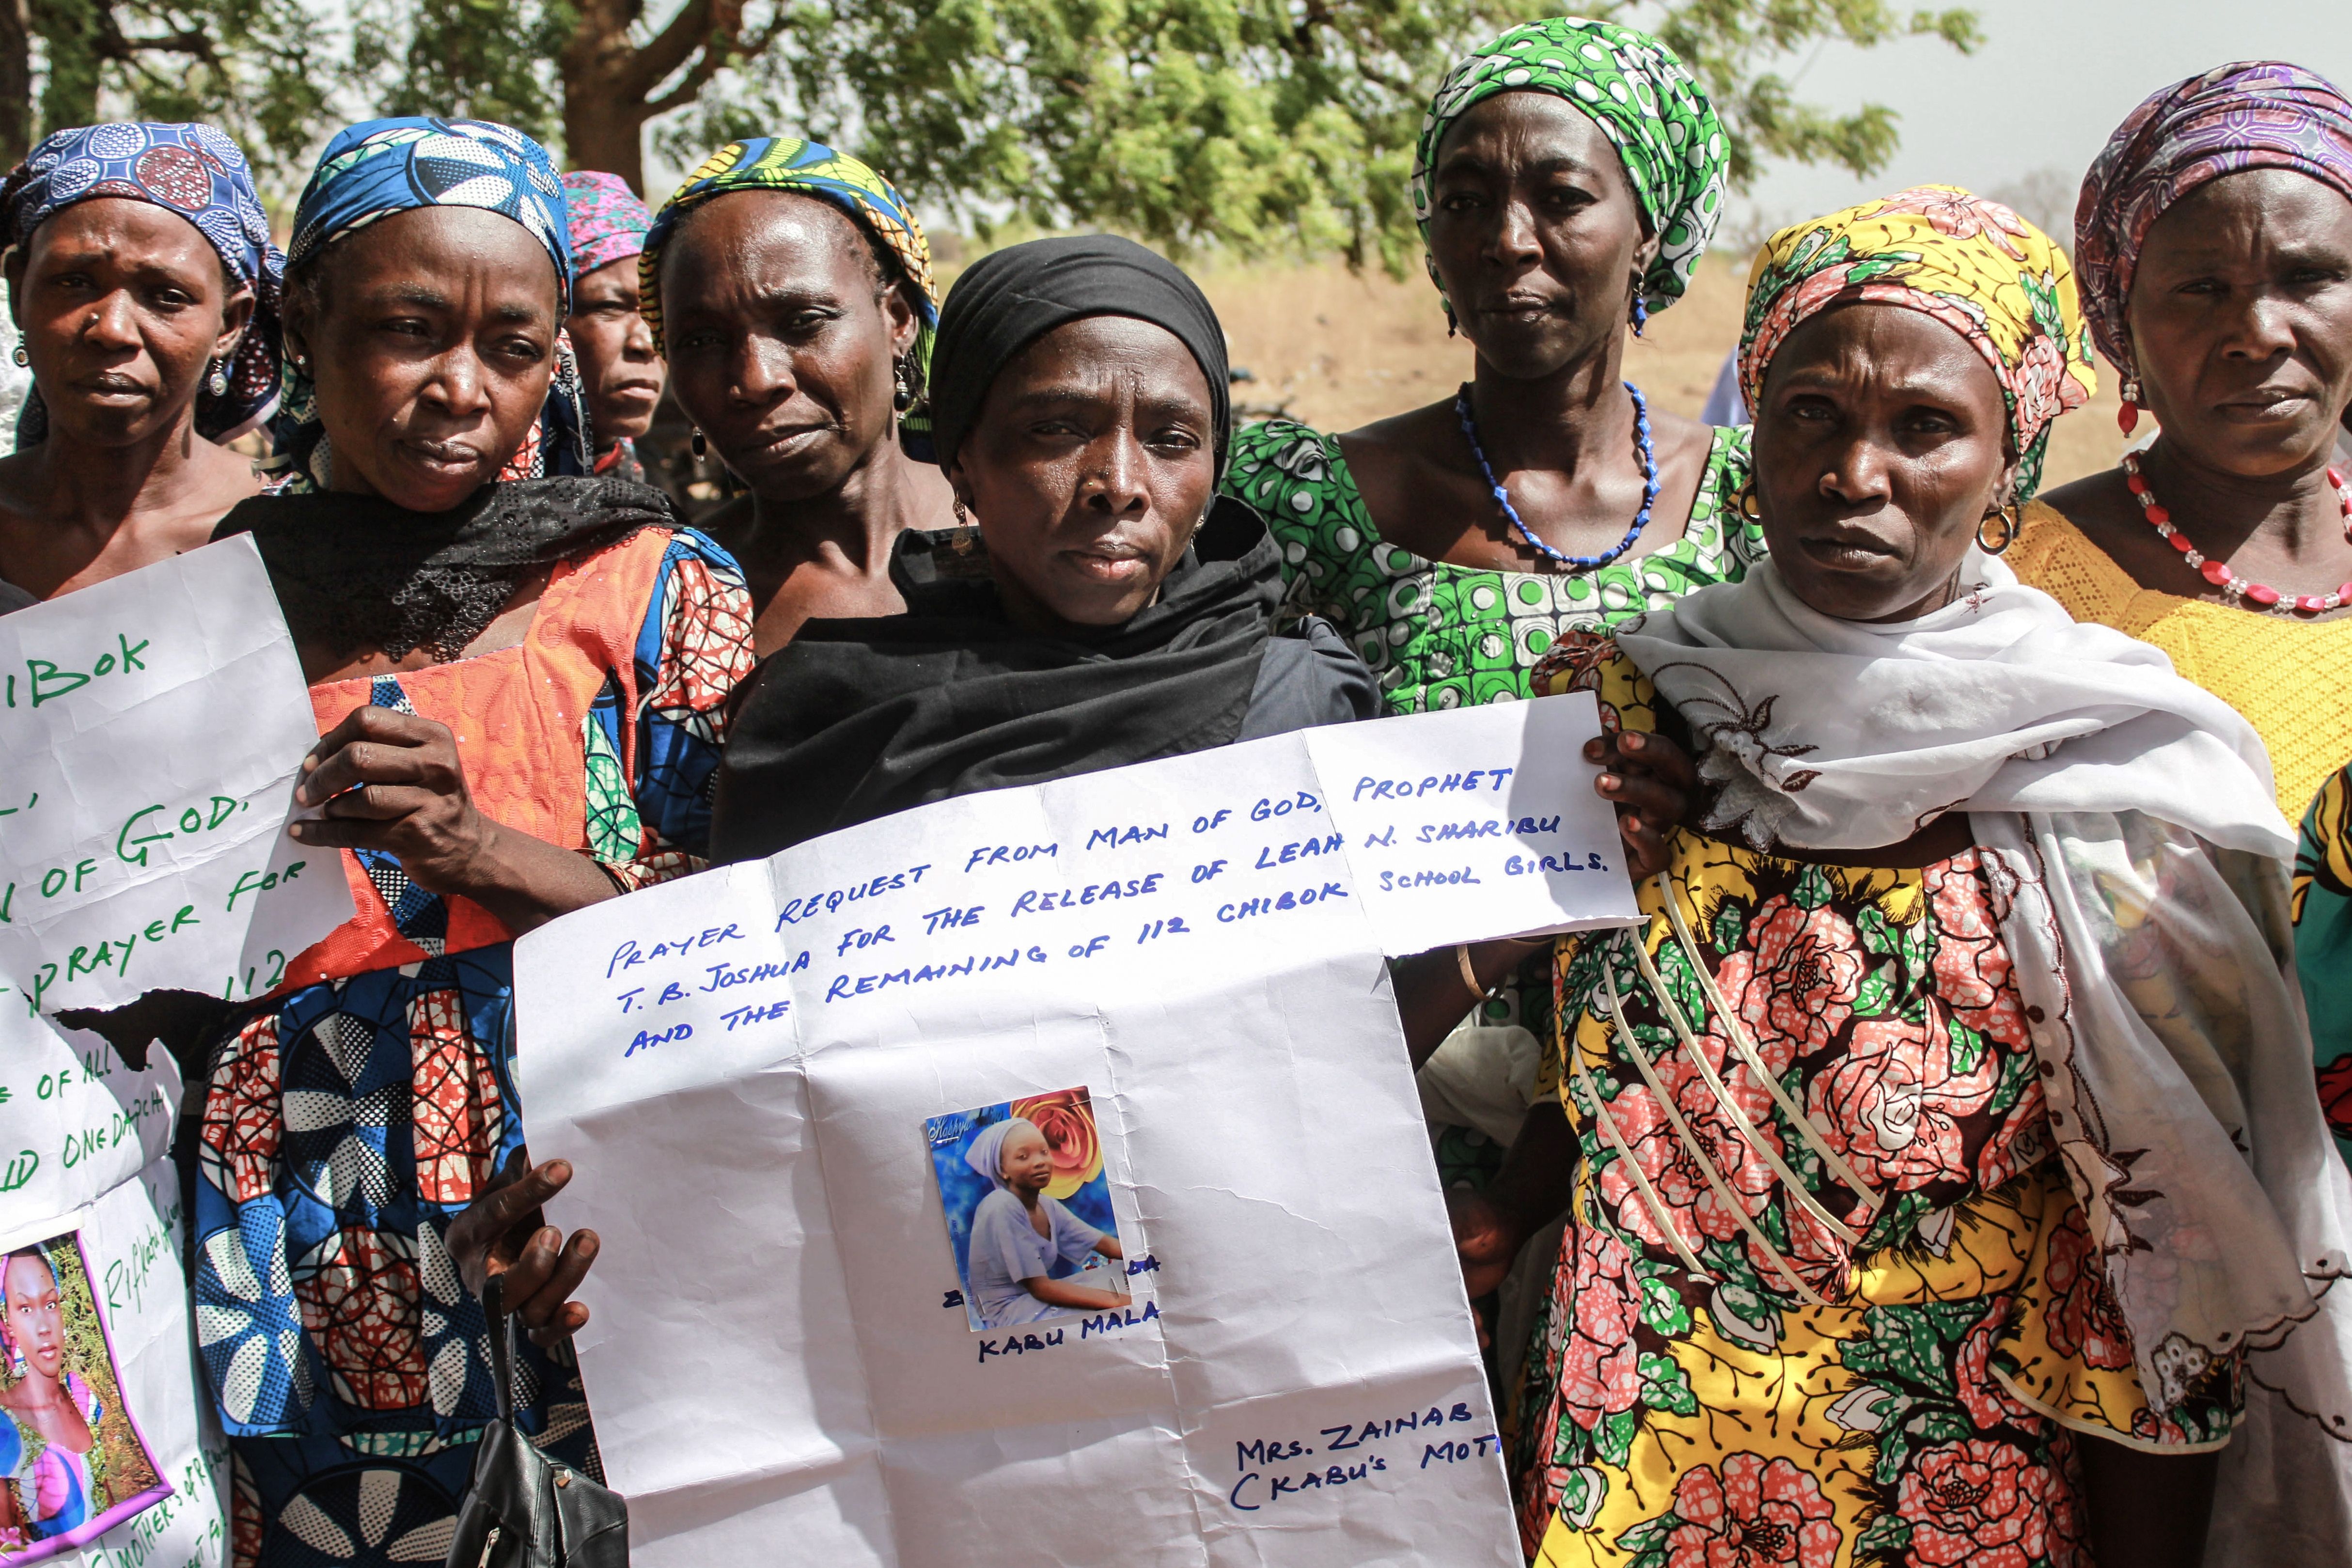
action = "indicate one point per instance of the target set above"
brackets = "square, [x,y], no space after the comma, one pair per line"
[1038,1176]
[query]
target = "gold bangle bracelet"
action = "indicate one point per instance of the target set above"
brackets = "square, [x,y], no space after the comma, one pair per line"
[1469,975]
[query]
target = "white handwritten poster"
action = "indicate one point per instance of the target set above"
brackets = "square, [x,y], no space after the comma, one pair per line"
[151,728]
[91,1231]
[792,1090]
[1441,810]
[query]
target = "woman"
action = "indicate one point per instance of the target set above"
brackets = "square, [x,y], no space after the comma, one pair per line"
[789,287]
[2215,238]
[145,285]
[620,369]
[1114,610]
[1018,1233]
[1912,1221]
[1566,178]
[49,1445]
[519,682]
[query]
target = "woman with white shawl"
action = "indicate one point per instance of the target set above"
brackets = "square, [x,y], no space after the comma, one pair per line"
[1952,1182]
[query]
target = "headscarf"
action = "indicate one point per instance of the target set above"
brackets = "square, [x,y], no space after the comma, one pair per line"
[811,169]
[2254,114]
[856,720]
[194,171]
[985,1154]
[608,222]
[379,167]
[1971,263]
[1645,101]
[1011,298]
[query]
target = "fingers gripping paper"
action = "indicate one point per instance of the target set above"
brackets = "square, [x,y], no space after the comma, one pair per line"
[151,728]
[1038,1176]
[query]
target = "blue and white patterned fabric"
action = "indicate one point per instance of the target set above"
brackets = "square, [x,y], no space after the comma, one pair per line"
[196,172]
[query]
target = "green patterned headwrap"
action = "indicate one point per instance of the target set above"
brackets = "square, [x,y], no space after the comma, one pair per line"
[1644,100]
[809,169]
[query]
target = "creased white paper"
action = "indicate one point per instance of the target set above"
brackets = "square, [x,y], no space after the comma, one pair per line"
[740,1066]
[151,730]
[84,1145]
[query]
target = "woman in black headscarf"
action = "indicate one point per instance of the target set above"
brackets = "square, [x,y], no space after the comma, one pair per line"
[1111,609]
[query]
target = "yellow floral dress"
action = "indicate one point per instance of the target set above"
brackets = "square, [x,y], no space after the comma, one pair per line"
[1826,1298]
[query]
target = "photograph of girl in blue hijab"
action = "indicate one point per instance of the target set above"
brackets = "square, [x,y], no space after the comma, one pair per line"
[1028,1210]
[72,1463]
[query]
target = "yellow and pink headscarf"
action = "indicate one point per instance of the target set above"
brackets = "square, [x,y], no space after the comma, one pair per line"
[1971,263]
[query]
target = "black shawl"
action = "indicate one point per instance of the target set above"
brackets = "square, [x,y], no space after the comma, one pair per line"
[357,572]
[858,718]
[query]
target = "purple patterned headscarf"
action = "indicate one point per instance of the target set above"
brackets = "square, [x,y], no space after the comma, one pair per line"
[2253,114]
[199,174]
[608,221]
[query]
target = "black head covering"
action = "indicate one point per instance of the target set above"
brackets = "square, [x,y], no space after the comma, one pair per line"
[857,718]
[1011,298]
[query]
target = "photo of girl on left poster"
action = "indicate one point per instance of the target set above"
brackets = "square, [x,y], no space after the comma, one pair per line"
[72,1463]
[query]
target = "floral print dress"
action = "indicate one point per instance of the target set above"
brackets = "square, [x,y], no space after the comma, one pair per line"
[1826,1298]
[2323,946]
[351,1119]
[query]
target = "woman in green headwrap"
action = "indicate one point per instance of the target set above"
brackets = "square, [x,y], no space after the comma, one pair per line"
[1566,181]
[789,287]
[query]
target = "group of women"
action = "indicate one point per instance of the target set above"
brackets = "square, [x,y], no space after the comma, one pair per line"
[1938,1172]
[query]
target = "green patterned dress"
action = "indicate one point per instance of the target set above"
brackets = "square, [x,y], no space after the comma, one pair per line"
[1438,635]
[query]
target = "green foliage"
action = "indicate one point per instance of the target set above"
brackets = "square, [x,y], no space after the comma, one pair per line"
[260,69]
[1261,126]
[478,60]
[1732,44]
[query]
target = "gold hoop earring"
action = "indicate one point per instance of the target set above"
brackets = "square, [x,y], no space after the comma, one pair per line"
[2009,528]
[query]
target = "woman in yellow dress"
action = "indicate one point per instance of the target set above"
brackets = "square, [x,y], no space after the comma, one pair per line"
[1911,1225]
[2215,240]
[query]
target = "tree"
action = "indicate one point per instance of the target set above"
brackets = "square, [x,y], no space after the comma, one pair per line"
[597,70]
[1260,125]
[257,68]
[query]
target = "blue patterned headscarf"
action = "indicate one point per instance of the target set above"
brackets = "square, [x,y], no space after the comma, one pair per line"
[199,174]
[379,167]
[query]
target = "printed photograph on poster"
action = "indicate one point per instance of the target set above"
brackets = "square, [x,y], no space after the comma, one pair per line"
[1028,1210]
[72,1462]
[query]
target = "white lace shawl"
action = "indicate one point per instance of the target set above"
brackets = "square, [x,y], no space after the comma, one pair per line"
[2140,868]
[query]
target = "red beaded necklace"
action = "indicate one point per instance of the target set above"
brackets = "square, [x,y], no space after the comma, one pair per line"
[2218,573]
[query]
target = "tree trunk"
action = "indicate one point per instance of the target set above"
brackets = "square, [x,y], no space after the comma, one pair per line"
[16,83]
[601,135]
[604,119]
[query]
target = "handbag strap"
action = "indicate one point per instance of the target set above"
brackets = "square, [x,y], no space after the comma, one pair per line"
[502,1352]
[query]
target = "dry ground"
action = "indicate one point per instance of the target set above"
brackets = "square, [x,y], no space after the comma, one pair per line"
[1338,350]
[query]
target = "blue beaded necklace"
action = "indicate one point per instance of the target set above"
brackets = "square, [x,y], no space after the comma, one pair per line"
[1563,560]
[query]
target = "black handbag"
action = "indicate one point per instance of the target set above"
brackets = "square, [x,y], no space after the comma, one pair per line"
[523,1509]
